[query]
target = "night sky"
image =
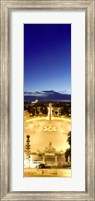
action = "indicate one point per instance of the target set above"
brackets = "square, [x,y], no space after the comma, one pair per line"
[47,57]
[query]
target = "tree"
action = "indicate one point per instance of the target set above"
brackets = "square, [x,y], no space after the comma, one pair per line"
[68,151]
[68,154]
[43,110]
[69,138]
[31,110]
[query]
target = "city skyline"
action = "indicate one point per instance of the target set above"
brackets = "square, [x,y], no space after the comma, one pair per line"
[47,58]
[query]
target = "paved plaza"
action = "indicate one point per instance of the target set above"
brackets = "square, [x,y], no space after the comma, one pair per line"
[47,173]
[47,144]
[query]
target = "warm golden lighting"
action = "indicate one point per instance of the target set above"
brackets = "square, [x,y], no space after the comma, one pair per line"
[45,142]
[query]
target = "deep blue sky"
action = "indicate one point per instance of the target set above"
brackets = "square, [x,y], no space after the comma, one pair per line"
[47,57]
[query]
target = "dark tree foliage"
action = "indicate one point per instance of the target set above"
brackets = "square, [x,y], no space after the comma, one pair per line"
[43,109]
[68,151]
[69,139]
[31,110]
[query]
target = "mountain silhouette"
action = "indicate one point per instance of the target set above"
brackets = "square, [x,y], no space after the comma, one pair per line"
[46,96]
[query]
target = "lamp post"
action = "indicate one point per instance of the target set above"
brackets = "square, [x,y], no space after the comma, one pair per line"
[28,148]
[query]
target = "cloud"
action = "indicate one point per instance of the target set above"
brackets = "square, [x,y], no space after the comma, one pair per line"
[63,92]
[47,96]
[42,93]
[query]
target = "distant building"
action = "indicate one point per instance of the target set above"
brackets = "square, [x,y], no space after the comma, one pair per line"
[36,101]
